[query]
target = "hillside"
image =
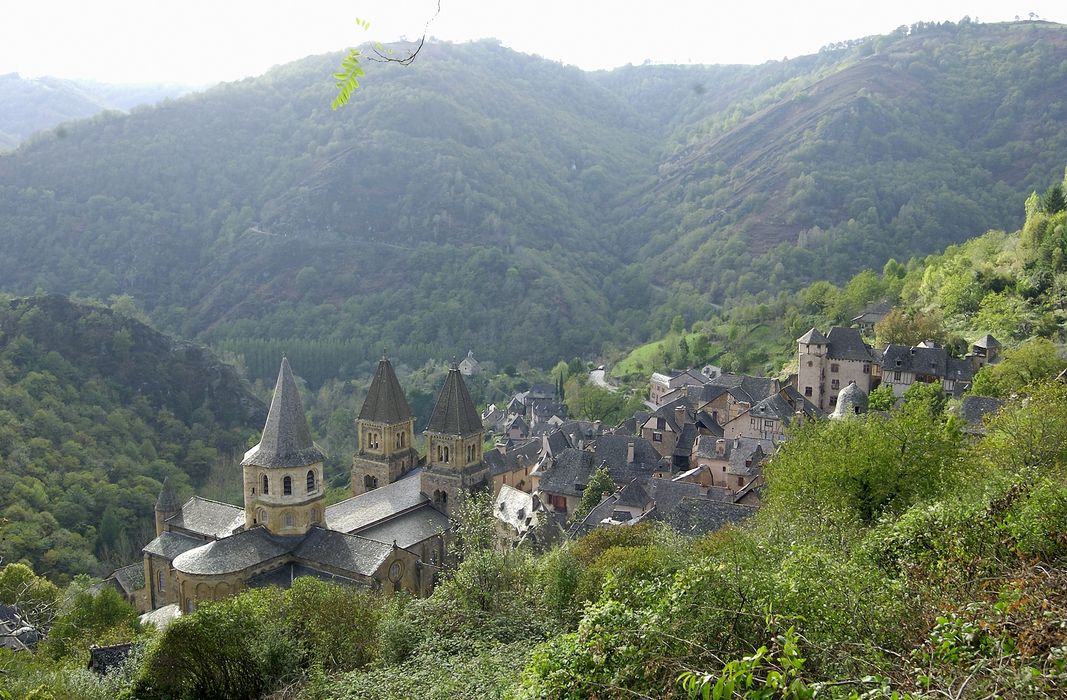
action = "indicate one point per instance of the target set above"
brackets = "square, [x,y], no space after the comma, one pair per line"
[29,105]
[96,409]
[489,200]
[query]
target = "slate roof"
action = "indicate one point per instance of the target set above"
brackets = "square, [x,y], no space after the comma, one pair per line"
[234,553]
[743,387]
[131,577]
[847,344]
[611,450]
[746,456]
[104,659]
[698,516]
[385,401]
[570,469]
[286,439]
[168,500]
[342,551]
[986,341]
[812,337]
[207,517]
[409,528]
[383,502]
[284,575]
[454,412]
[668,494]
[170,544]
[974,408]
[523,455]
[556,442]
[541,391]
[161,617]
[633,494]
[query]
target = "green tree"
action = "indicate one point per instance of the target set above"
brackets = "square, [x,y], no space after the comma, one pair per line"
[1036,360]
[882,399]
[1053,202]
[600,485]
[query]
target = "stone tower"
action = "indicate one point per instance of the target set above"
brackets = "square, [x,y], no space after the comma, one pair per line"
[166,505]
[386,433]
[454,466]
[283,473]
[811,366]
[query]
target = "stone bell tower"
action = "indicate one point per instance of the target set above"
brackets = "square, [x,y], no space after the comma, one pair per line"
[283,473]
[454,465]
[167,505]
[386,433]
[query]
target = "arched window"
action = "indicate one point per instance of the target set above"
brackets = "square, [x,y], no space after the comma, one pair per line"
[288,519]
[261,517]
[287,486]
[266,485]
[370,482]
[160,582]
[445,460]
[311,481]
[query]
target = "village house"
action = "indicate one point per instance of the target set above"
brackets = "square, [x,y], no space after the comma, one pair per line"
[827,364]
[661,384]
[768,419]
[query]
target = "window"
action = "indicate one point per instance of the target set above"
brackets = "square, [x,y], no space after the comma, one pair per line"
[400,440]
[809,363]
[470,453]
[266,485]
[287,486]
[896,376]
[835,368]
[807,391]
[866,369]
[288,519]
[395,571]
[657,437]
[835,383]
[311,481]
[161,582]
[370,482]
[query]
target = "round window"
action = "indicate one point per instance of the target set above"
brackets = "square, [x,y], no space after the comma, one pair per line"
[395,570]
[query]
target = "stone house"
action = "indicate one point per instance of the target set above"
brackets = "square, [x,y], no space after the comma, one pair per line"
[768,419]
[662,384]
[827,364]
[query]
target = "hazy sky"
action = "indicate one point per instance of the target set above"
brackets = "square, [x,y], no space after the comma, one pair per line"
[201,41]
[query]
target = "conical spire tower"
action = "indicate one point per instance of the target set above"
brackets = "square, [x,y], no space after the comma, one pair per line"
[454,465]
[386,430]
[283,473]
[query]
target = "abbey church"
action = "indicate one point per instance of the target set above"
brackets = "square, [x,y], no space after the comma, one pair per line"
[390,535]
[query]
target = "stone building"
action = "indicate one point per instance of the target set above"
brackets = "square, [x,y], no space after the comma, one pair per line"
[391,536]
[827,364]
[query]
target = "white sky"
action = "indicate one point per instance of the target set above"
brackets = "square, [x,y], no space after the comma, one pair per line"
[202,41]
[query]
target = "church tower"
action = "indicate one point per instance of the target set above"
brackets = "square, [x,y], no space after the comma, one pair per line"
[166,505]
[283,473]
[454,465]
[386,433]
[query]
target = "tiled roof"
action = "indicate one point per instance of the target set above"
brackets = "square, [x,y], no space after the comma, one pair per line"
[409,528]
[286,439]
[454,412]
[234,553]
[342,551]
[385,401]
[170,544]
[207,517]
[383,502]
[847,344]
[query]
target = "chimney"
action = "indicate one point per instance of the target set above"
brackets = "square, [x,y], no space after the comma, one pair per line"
[630,452]
[720,448]
[679,414]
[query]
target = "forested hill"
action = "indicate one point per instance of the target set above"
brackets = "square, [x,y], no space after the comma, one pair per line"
[96,409]
[28,105]
[485,199]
